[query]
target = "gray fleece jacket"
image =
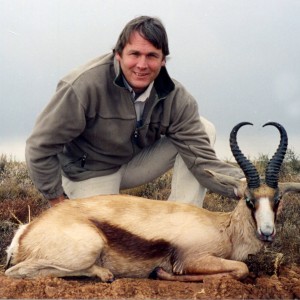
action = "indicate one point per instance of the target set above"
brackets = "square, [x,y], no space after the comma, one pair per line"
[89,129]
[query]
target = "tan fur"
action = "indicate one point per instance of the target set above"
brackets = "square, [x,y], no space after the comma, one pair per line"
[125,236]
[264,191]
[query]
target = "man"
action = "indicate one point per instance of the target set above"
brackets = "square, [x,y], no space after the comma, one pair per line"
[121,121]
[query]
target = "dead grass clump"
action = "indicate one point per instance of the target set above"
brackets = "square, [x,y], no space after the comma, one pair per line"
[287,225]
[14,212]
[7,230]
[290,167]
[214,202]
[19,200]
[158,189]
[15,181]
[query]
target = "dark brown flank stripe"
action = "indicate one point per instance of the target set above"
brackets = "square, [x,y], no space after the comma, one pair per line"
[132,245]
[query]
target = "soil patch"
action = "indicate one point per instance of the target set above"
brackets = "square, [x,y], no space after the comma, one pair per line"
[286,285]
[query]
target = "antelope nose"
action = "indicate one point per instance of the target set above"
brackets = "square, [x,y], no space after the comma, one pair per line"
[267,233]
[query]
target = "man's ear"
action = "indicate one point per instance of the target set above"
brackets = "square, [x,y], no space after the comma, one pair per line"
[163,63]
[117,56]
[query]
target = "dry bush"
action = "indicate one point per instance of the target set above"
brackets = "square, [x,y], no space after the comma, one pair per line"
[158,189]
[19,200]
[14,212]
[15,181]
[288,224]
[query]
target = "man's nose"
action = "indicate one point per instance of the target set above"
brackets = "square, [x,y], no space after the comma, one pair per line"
[142,62]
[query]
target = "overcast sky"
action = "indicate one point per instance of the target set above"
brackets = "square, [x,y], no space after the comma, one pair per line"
[238,58]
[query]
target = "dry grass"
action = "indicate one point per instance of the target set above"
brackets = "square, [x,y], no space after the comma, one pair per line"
[19,202]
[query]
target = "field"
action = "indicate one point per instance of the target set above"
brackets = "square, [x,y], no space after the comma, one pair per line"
[274,272]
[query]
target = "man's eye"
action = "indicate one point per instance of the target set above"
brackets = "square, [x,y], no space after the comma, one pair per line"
[152,56]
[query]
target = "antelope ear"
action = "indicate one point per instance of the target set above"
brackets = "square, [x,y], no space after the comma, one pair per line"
[286,187]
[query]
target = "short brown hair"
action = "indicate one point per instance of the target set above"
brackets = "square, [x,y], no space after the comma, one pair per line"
[150,29]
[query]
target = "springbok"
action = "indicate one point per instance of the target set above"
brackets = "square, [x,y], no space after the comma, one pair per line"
[113,236]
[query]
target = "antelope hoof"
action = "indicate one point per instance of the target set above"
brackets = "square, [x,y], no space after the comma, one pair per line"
[107,276]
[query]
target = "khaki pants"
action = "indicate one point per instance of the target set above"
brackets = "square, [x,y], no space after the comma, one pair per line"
[149,164]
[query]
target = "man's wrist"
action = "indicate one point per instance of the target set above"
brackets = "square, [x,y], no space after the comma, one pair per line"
[55,201]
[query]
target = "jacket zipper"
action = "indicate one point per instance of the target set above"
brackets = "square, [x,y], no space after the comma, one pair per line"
[83,160]
[135,133]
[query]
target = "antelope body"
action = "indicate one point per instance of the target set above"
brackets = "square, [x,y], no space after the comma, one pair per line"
[112,236]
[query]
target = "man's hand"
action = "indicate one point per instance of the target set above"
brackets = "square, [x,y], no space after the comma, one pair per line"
[57,200]
[240,190]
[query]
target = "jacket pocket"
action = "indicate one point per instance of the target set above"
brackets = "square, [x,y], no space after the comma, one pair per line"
[71,167]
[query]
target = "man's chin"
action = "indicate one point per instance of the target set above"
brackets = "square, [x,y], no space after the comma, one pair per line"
[138,88]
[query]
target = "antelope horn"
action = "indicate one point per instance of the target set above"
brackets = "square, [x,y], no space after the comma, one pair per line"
[247,167]
[273,167]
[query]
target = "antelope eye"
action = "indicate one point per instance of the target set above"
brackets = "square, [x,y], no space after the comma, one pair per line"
[277,200]
[249,203]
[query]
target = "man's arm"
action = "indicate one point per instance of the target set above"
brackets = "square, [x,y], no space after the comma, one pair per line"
[189,136]
[62,120]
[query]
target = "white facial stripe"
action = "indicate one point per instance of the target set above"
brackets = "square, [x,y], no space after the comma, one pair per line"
[265,217]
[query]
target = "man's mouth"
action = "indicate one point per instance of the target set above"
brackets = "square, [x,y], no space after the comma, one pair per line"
[140,74]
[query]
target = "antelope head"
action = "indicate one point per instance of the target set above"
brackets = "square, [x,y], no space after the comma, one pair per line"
[263,198]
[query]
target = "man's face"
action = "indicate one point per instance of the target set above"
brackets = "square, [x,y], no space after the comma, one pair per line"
[140,62]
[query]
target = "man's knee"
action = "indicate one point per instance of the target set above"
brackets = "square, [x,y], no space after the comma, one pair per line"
[210,130]
[150,163]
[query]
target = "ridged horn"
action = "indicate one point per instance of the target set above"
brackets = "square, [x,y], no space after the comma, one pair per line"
[247,167]
[273,167]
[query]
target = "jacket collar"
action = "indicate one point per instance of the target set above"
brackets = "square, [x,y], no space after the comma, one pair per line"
[163,83]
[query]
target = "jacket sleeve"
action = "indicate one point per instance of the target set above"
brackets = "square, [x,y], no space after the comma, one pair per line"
[188,135]
[61,121]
